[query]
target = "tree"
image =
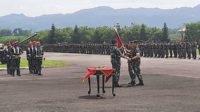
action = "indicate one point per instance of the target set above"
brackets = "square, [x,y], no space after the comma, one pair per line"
[192,32]
[51,37]
[165,35]
[143,33]
[76,35]
[17,32]
[5,32]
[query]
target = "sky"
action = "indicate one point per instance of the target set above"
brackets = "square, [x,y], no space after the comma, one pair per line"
[34,8]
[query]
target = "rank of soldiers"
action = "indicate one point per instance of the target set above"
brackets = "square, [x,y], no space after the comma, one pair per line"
[34,55]
[180,50]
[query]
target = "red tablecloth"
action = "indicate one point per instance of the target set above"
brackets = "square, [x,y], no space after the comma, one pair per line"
[107,71]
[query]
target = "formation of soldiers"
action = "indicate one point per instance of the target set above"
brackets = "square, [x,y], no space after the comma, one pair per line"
[170,50]
[34,53]
[103,49]
[157,50]
[13,52]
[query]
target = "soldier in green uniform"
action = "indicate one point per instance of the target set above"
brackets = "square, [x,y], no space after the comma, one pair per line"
[116,62]
[134,64]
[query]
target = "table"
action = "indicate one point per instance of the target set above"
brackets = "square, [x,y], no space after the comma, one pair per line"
[100,71]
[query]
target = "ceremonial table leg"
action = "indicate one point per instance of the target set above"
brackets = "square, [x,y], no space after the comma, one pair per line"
[113,86]
[103,84]
[89,92]
[97,75]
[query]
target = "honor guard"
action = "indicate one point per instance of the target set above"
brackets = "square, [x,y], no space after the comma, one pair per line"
[38,57]
[8,57]
[30,56]
[16,51]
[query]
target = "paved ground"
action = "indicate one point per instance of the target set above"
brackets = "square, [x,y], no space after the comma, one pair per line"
[171,85]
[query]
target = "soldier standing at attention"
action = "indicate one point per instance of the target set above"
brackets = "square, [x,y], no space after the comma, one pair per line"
[39,56]
[15,58]
[29,54]
[116,61]
[134,64]
[8,58]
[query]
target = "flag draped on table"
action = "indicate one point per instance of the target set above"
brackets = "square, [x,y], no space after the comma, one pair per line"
[107,71]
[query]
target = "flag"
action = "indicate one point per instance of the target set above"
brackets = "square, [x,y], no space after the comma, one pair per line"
[119,42]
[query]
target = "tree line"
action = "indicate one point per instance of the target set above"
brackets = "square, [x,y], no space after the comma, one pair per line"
[15,32]
[192,32]
[104,34]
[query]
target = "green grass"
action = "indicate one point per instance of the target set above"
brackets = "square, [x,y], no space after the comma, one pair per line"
[11,38]
[46,63]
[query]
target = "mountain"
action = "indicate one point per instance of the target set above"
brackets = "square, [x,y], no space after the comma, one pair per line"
[105,16]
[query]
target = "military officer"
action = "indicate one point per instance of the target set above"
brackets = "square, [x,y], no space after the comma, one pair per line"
[134,64]
[116,61]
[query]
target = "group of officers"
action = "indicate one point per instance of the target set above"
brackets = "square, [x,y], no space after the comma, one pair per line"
[132,54]
[34,55]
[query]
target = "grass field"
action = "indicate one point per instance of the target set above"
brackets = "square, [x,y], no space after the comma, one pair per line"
[11,38]
[46,63]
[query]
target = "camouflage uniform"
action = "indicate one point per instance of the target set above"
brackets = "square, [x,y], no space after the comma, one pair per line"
[134,67]
[116,63]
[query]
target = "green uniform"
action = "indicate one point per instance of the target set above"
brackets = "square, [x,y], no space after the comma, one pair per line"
[134,67]
[116,63]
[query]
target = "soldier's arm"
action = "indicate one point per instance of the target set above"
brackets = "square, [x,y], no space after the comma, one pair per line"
[137,55]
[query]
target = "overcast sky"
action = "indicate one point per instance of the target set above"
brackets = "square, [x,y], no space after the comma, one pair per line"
[41,7]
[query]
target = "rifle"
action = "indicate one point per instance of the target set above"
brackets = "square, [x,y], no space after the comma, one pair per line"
[28,38]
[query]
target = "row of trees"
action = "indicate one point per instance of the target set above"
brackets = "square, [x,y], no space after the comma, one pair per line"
[192,32]
[15,32]
[104,34]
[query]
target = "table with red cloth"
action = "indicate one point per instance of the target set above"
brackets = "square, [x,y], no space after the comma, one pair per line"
[100,71]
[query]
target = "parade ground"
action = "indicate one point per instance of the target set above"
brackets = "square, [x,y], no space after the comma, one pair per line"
[170,85]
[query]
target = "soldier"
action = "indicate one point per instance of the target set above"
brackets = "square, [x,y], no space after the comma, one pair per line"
[194,52]
[29,55]
[175,50]
[38,58]
[16,51]
[170,46]
[8,57]
[134,64]
[116,62]
[188,50]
